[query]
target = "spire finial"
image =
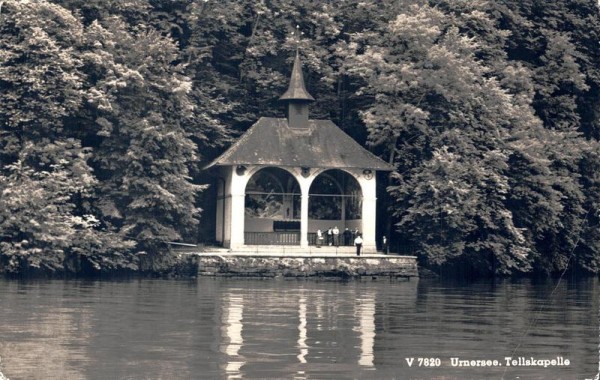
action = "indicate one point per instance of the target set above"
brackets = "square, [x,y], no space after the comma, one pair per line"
[297,89]
[297,36]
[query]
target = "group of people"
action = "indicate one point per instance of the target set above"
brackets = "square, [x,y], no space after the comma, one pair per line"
[333,237]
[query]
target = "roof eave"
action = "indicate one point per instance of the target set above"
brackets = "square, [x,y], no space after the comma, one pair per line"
[386,168]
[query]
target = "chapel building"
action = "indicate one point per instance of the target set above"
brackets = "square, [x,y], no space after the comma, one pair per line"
[286,178]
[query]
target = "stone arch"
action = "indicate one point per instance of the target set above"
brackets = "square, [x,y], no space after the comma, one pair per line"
[272,207]
[335,199]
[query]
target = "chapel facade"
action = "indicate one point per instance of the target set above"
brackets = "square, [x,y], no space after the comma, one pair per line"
[286,178]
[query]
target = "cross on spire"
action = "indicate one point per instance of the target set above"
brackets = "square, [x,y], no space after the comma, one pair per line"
[297,36]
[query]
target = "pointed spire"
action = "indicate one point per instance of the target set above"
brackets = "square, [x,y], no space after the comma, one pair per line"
[297,90]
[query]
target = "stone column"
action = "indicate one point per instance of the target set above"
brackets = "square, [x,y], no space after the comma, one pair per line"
[304,220]
[369,208]
[369,212]
[239,179]
[304,180]
[237,220]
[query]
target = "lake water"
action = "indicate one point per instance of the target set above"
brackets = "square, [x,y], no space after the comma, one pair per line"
[296,329]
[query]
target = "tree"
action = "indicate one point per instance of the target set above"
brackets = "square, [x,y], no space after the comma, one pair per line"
[45,180]
[559,42]
[40,73]
[452,123]
[139,99]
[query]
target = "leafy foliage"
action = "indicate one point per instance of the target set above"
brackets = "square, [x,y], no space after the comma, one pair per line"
[482,185]
[139,101]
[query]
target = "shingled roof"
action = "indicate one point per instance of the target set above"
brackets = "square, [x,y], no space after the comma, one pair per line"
[270,141]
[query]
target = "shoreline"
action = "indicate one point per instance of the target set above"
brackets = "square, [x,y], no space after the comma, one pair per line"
[194,264]
[236,264]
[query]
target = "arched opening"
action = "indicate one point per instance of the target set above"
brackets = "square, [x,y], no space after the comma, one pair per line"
[335,200]
[272,208]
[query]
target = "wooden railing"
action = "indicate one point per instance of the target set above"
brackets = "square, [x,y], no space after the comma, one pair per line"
[278,238]
[272,238]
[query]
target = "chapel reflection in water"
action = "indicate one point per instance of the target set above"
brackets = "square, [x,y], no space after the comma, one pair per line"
[366,317]
[302,330]
[252,320]
[232,326]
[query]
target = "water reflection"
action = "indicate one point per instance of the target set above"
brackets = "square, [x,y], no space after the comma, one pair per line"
[47,339]
[233,312]
[366,315]
[302,330]
[228,328]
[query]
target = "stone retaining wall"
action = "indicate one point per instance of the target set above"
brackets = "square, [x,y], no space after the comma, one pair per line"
[273,266]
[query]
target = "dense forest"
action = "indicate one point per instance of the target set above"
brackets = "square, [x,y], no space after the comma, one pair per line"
[489,111]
